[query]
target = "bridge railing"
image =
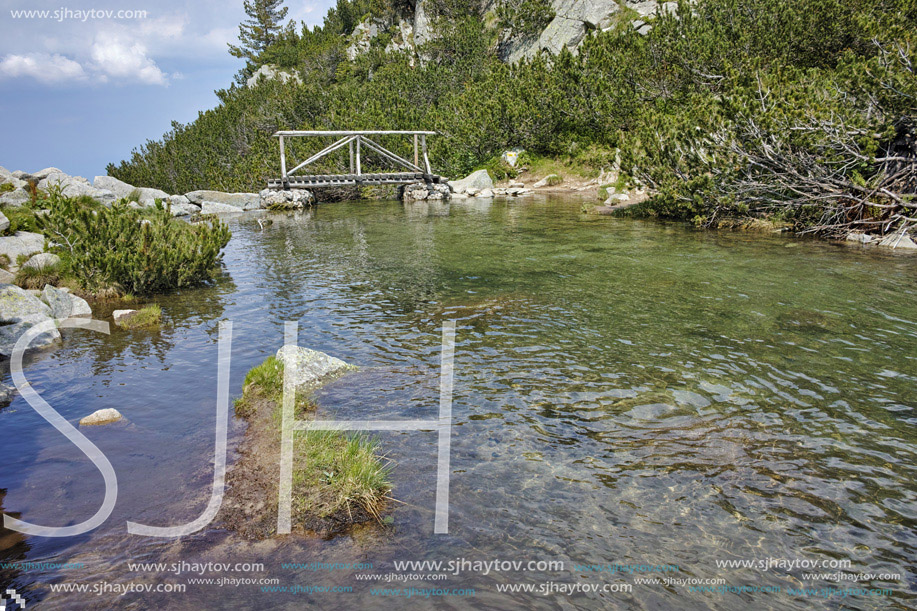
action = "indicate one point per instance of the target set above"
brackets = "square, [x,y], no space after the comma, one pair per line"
[357,141]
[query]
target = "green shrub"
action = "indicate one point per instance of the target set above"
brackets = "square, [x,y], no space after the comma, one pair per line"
[144,317]
[38,277]
[140,252]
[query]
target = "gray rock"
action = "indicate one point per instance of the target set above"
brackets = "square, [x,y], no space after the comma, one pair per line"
[10,334]
[245,201]
[63,304]
[121,189]
[4,173]
[79,307]
[17,197]
[362,37]
[269,72]
[860,237]
[23,243]
[42,174]
[544,181]
[17,305]
[76,186]
[184,209]
[421,191]
[423,29]
[292,199]
[476,180]
[42,260]
[485,193]
[898,240]
[218,208]
[102,416]
[21,175]
[4,222]
[122,315]
[7,277]
[6,394]
[309,367]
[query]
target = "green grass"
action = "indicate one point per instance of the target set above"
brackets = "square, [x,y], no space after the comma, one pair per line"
[38,277]
[335,473]
[7,187]
[144,317]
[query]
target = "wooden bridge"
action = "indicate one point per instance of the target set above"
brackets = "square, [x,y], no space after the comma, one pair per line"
[357,141]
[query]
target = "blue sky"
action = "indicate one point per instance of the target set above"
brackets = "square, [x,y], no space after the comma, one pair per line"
[79,90]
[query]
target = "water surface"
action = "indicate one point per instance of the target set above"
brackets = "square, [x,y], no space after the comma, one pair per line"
[626,393]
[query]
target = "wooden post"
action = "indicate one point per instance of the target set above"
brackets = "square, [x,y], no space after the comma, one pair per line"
[359,172]
[426,160]
[415,151]
[351,156]
[283,162]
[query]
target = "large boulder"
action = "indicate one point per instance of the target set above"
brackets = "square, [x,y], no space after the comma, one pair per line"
[245,201]
[573,20]
[147,195]
[4,222]
[64,304]
[18,305]
[216,208]
[76,186]
[23,243]
[309,367]
[898,240]
[42,174]
[16,197]
[479,181]
[292,199]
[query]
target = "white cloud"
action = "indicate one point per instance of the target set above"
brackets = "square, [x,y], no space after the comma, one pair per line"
[43,67]
[125,62]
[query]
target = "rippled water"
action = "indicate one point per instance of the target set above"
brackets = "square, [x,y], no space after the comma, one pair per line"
[625,392]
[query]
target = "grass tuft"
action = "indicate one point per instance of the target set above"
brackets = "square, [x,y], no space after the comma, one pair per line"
[336,475]
[144,317]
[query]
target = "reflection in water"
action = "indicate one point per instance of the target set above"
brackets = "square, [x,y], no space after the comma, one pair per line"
[625,392]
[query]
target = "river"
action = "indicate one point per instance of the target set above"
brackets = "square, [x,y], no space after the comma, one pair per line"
[634,400]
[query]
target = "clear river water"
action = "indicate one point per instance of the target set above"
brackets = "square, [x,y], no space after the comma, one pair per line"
[684,419]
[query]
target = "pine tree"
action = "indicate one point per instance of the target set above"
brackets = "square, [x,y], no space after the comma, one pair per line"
[259,31]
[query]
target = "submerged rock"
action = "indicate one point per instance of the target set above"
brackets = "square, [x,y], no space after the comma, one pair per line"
[6,394]
[310,366]
[10,334]
[102,416]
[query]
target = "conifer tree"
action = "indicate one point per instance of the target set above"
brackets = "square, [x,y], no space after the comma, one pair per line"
[259,31]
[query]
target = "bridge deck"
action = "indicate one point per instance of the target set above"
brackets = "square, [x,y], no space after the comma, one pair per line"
[313,181]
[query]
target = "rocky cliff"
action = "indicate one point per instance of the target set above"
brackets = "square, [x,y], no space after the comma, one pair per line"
[573,21]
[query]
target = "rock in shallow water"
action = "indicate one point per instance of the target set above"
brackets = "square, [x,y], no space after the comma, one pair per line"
[103,416]
[310,366]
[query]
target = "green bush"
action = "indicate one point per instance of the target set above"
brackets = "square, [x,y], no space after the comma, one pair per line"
[138,251]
